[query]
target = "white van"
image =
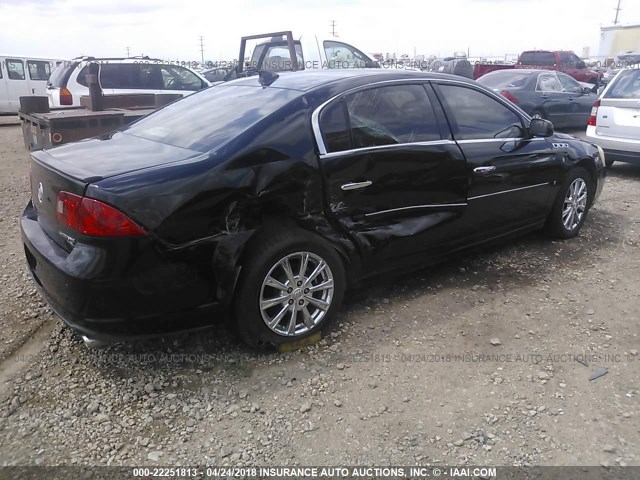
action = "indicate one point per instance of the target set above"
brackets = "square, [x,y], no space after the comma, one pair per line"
[22,76]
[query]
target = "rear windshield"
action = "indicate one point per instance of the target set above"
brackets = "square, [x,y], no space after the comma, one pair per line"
[538,58]
[61,73]
[510,79]
[627,85]
[208,119]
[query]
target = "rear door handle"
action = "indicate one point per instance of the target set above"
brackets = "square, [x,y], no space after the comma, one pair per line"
[355,185]
[484,170]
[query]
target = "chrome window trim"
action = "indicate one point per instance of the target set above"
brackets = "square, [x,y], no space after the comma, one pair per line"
[315,116]
[414,207]
[502,140]
[393,146]
[508,191]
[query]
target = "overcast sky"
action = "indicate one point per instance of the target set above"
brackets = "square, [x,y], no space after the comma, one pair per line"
[170,29]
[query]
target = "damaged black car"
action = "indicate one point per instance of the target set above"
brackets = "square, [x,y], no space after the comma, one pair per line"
[263,199]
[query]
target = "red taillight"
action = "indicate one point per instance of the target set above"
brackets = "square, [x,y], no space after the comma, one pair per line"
[65,97]
[94,218]
[594,114]
[509,96]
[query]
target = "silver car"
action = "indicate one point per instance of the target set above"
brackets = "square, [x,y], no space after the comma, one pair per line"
[614,123]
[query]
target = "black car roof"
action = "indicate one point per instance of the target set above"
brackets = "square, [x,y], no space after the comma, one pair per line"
[306,80]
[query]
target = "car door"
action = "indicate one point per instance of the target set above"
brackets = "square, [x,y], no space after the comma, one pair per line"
[553,102]
[580,103]
[510,176]
[394,178]
[17,85]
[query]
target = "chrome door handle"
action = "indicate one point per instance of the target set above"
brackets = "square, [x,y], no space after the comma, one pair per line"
[355,185]
[483,170]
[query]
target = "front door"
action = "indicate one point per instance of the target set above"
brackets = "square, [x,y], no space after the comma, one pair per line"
[394,178]
[511,178]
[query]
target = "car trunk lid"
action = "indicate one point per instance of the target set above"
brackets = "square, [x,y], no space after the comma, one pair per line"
[72,167]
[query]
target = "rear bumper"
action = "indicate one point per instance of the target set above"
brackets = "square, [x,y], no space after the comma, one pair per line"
[616,149]
[121,293]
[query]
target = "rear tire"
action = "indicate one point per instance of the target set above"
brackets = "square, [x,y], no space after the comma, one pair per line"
[291,287]
[572,205]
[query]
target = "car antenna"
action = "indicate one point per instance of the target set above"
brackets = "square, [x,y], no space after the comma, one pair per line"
[266,78]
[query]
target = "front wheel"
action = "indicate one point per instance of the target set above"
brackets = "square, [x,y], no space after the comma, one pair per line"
[571,207]
[291,287]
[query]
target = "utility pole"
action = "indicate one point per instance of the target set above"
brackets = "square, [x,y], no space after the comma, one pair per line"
[615,22]
[202,49]
[128,50]
[333,28]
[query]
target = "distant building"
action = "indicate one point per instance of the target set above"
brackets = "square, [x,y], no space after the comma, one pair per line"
[619,38]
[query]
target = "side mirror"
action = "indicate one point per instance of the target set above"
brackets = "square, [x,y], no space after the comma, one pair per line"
[581,64]
[540,127]
[371,64]
[587,90]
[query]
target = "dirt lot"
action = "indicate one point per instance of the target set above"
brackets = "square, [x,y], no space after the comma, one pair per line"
[483,361]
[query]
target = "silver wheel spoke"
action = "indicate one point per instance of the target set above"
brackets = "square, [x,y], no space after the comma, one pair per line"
[321,304]
[303,265]
[322,286]
[306,317]
[270,302]
[272,282]
[276,320]
[286,266]
[316,272]
[292,320]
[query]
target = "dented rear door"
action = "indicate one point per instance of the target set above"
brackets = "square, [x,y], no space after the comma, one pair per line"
[394,179]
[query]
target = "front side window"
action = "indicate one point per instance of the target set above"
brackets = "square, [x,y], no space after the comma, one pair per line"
[569,60]
[548,82]
[38,70]
[569,85]
[391,115]
[179,78]
[478,116]
[15,69]
[342,55]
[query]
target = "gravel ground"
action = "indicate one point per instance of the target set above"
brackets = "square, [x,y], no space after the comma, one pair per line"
[487,360]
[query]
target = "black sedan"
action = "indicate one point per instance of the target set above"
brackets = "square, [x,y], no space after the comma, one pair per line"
[547,94]
[262,199]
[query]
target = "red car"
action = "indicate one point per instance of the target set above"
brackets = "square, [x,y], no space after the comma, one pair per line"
[562,61]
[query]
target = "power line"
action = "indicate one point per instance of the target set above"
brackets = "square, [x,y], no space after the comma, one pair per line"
[333,28]
[202,48]
[615,22]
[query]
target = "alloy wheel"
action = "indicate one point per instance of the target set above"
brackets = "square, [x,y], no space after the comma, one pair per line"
[575,204]
[296,293]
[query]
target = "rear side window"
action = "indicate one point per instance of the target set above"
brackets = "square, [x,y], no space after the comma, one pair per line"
[391,115]
[548,82]
[478,116]
[627,85]
[538,58]
[134,76]
[15,69]
[333,124]
[38,70]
